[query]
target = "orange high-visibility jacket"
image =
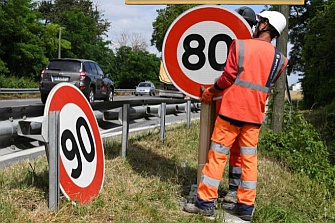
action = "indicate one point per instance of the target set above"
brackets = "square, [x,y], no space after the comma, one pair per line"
[259,66]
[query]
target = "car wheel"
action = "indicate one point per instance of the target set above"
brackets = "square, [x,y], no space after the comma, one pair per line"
[110,96]
[44,98]
[90,96]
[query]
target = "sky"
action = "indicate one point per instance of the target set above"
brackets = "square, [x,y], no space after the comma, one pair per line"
[138,19]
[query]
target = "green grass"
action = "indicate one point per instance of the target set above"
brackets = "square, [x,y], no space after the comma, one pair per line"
[150,183]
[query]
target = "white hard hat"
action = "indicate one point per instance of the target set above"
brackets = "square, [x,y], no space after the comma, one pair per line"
[276,19]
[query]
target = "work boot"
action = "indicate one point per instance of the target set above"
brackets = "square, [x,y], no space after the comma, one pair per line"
[231,196]
[191,208]
[243,211]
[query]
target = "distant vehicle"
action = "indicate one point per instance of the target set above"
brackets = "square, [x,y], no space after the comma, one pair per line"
[84,74]
[145,88]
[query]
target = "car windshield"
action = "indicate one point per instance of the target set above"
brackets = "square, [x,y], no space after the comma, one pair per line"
[144,85]
[72,66]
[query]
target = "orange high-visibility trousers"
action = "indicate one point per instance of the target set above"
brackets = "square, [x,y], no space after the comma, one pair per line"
[235,169]
[223,137]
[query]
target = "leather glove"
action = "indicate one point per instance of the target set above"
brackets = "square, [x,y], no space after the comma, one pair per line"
[207,96]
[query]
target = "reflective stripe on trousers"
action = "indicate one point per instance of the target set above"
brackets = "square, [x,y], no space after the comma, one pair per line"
[235,169]
[223,137]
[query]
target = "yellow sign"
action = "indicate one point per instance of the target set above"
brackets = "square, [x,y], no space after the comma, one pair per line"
[227,2]
[163,77]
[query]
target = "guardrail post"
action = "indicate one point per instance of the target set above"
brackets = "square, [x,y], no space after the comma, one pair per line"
[162,129]
[53,157]
[125,130]
[188,114]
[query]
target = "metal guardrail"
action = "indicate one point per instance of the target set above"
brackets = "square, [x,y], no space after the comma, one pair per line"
[19,90]
[104,112]
[36,90]
[164,93]
[132,91]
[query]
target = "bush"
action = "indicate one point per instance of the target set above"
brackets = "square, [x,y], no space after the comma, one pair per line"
[323,120]
[14,82]
[300,149]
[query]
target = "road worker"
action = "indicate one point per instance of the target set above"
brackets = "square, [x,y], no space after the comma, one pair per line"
[252,67]
[235,161]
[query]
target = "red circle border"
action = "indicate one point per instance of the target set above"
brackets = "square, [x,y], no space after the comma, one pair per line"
[191,17]
[62,96]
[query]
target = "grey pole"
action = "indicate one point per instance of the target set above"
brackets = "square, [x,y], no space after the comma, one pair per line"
[60,42]
[163,113]
[53,154]
[125,129]
[188,114]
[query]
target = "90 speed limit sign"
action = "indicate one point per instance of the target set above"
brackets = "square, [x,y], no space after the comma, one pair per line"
[196,46]
[82,163]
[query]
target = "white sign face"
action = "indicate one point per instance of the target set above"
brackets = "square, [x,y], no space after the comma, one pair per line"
[196,46]
[82,161]
[211,40]
[77,145]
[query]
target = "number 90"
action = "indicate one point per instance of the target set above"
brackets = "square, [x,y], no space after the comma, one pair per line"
[74,152]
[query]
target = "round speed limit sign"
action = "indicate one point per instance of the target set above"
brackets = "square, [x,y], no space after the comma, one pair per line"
[82,162]
[196,46]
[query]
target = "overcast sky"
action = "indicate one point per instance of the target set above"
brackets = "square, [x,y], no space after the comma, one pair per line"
[138,19]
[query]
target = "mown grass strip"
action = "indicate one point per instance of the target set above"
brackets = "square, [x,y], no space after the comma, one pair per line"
[150,183]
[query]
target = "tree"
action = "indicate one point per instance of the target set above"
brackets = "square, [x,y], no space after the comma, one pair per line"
[21,49]
[84,27]
[133,67]
[50,40]
[318,57]
[52,11]
[298,20]
[134,40]
[163,21]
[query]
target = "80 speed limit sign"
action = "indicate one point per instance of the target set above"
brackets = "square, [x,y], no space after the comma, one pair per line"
[196,45]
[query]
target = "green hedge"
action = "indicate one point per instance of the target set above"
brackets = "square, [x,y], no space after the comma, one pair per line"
[300,149]
[14,82]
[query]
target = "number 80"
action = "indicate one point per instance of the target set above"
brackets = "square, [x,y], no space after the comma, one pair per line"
[199,51]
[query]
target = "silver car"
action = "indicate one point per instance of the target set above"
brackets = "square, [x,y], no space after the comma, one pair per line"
[145,88]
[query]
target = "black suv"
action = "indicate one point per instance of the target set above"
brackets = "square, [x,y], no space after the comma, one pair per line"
[85,74]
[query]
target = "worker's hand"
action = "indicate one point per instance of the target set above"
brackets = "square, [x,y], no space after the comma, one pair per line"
[207,96]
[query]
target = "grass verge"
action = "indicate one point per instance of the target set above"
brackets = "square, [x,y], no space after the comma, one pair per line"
[150,183]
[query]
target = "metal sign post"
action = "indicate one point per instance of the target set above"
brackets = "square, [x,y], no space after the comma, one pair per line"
[125,130]
[53,157]
[162,121]
[49,136]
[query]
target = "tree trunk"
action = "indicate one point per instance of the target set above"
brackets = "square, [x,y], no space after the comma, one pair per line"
[279,88]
